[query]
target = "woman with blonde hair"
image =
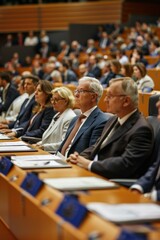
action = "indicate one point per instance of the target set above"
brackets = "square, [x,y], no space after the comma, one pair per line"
[63,102]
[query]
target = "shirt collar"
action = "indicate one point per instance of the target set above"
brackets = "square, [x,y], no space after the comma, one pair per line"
[124,119]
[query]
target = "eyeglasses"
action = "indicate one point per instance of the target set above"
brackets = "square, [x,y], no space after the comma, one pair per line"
[56,100]
[82,91]
[110,96]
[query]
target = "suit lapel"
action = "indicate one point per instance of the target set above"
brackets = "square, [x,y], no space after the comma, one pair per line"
[120,130]
[86,124]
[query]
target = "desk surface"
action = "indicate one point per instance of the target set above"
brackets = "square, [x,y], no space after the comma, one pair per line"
[29,210]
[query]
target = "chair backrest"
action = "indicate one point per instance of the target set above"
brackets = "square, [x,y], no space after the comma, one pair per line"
[152,109]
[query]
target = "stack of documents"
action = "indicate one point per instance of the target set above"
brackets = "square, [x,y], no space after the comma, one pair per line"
[79,183]
[126,213]
[4,137]
[39,161]
[18,146]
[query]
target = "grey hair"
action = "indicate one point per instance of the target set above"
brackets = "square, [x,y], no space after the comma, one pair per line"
[129,88]
[94,85]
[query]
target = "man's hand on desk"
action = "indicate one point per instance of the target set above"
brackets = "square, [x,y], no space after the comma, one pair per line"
[11,134]
[38,146]
[79,160]
[5,130]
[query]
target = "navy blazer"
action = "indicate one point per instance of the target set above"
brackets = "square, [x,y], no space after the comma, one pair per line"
[11,94]
[24,115]
[88,133]
[149,180]
[40,123]
[126,154]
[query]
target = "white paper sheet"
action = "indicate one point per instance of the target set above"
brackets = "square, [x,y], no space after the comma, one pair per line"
[33,164]
[122,213]
[79,183]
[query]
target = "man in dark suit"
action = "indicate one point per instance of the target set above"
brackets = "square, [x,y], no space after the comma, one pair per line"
[25,113]
[122,152]
[149,184]
[68,76]
[87,95]
[8,93]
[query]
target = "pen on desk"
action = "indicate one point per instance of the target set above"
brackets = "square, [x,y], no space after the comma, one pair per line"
[46,163]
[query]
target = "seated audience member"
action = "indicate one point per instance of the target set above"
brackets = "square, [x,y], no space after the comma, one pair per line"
[31,39]
[45,50]
[8,93]
[9,41]
[48,68]
[42,113]
[142,45]
[142,79]
[149,184]
[126,143]
[22,120]
[127,70]
[107,74]
[104,40]
[93,67]
[137,57]
[15,106]
[83,71]
[91,48]
[64,50]
[37,69]
[83,131]
[63,102]
[76,47]
[44,37]
[116,68]
[122,57]
[68,76]
[56,76]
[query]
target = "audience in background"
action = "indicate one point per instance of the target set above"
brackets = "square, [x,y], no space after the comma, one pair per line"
[31,39]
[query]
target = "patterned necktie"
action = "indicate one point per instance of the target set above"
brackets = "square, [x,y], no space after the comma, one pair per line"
[72,134]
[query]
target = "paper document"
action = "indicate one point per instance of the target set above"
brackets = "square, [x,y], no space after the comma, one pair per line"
[4,137]
[125,213]
[35,157]
[41,164]
[17,143]
[79,183]
[22,148]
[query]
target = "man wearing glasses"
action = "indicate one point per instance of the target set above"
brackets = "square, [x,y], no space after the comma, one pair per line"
[122,151]
[86,129]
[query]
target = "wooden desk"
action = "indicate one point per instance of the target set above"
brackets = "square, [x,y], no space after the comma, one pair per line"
[27,218]
[144,101]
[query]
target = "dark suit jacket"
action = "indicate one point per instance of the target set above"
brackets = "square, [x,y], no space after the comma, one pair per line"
[127,152]
[148,181]
[40,123]
[96,71]
[11,94]
[88,133]
[70,77]
[24,115]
